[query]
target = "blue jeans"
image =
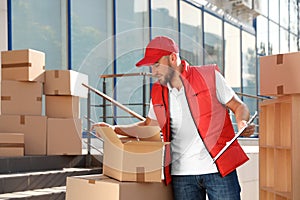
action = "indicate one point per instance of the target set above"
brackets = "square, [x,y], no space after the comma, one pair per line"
[195,187]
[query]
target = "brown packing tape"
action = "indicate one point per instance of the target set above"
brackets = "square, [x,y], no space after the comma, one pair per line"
[56,74]
[39,98]
[140,174]
[22,119]
[13,145]
[280,89]
[56,92]
[92,181]
[5,98]
[279,59]
[16,65]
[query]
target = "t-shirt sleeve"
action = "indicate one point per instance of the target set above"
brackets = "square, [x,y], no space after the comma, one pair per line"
[151,113]
[224,91]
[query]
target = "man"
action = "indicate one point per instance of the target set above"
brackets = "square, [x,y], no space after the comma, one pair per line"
[190,104]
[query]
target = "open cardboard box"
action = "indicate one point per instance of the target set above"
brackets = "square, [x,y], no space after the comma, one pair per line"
[129,159]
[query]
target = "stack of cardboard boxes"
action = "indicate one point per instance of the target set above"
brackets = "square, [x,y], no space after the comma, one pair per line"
[279,127]
[132,169]
[23,80]
[63,89]
[21,100]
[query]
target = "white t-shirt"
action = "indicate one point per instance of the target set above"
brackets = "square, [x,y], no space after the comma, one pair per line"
[189,155]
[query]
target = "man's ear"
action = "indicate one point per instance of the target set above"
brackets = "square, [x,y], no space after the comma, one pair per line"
[173,58]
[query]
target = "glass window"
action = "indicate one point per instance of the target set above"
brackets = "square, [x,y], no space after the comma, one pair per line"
[274,11]
[165,18]
[284,41]
[293,16]
[33,28]
[274,38]
[249,70]
[132,22]
[91,27]
[293,43]
[261,6]
[213,41]
[92,46]
[284,13]
[232,56]
[262,35]
[191,34]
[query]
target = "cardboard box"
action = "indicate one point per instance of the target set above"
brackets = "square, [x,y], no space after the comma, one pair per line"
[64,136]
[62,106]
[0,82]
[94,187]
[0,95]
[132,160]
[11,144]
[33,127]
[21,98]
[65,82]
[23,65]
[279,74]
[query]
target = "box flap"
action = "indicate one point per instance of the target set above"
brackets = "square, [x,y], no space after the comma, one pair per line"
[149,135]
[108,134]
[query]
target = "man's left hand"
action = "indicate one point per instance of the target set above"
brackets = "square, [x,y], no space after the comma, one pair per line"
[249,130]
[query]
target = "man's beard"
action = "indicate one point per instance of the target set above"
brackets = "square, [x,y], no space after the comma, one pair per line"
[168,77]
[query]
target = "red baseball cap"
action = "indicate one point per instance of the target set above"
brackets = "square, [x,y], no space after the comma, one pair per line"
[158,47]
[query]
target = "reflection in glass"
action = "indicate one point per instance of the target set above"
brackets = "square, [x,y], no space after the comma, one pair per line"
[32,28]
[293,43]
[284,13]
[249,70]
[213,41]
[191,34]
[232,57]
[262,35]
[274,10]
[261,6]
[284,41]
[165,18]
[274,39]
[132,22]
[92,47]
[293,16]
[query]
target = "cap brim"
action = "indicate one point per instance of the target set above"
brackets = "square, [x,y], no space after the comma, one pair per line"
[147,61]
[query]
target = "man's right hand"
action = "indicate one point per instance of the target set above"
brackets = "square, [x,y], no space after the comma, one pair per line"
[102,124]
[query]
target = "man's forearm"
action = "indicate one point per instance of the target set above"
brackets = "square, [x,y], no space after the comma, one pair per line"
[129,130]
[241,114]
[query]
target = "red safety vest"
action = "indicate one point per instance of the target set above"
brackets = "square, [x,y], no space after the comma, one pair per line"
[210,116]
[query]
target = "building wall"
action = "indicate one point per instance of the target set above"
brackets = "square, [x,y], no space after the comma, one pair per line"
[99,37]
